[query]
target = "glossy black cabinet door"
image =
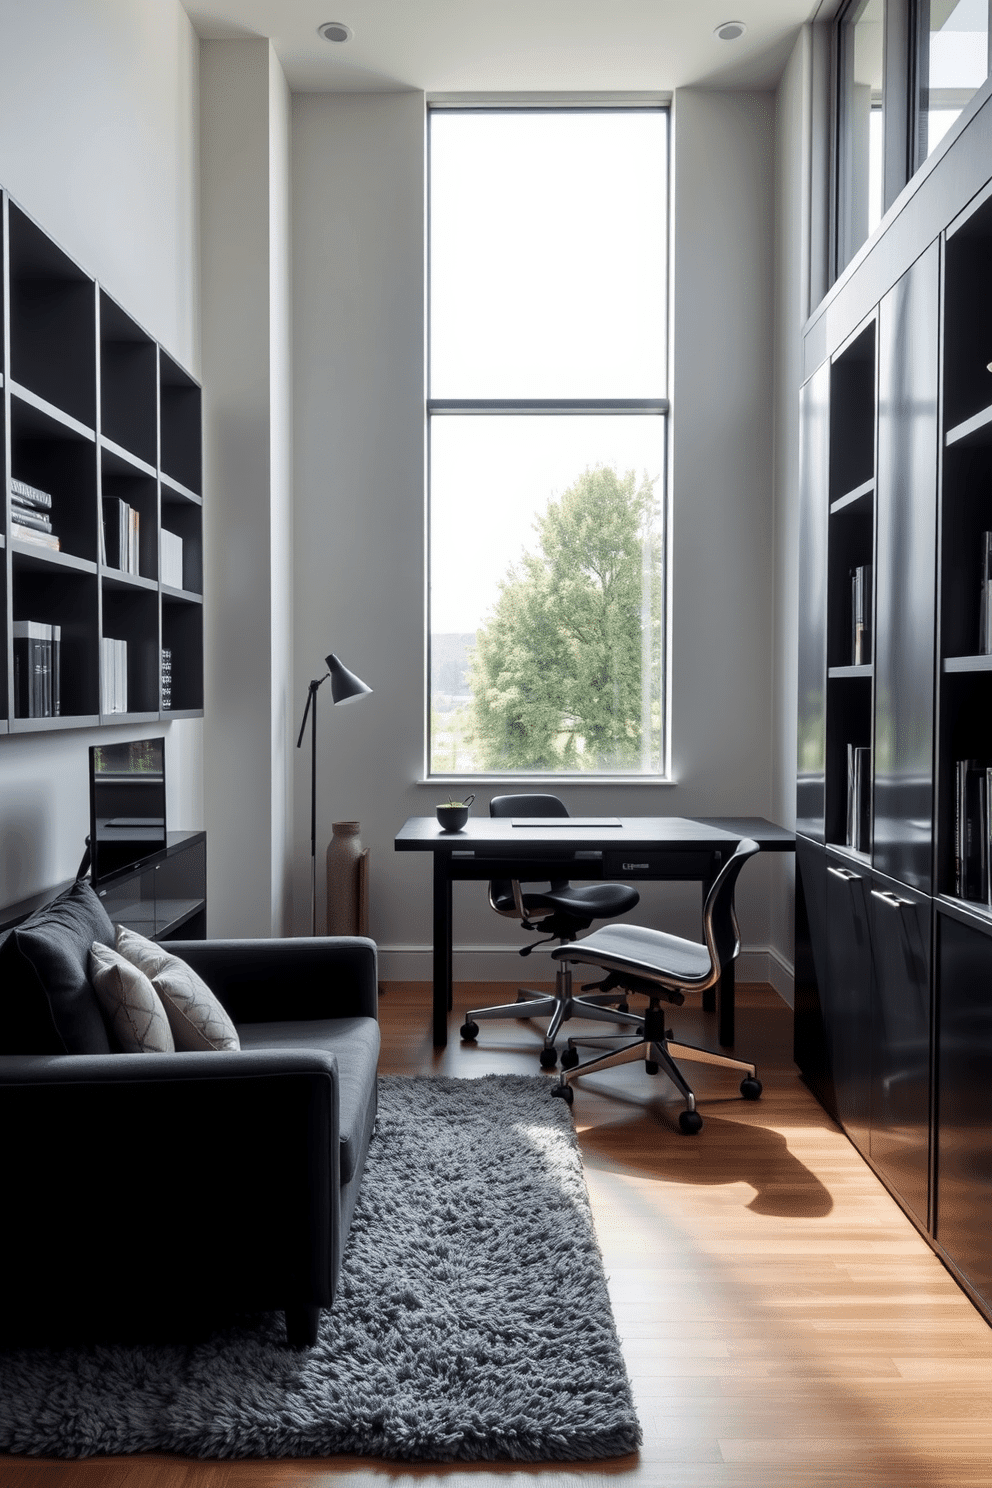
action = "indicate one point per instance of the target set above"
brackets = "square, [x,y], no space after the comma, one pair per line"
[906,517]
[814,495]
[847,1003]
[809,1026]
[964,1098]
[899,1143]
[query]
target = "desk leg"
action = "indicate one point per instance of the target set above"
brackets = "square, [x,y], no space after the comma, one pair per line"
[442,949]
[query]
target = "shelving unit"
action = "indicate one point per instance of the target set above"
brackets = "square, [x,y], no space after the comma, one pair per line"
[850,544]
[95,413]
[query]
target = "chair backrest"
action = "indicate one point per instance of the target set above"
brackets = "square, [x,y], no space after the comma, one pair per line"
[501,892]
[720,929]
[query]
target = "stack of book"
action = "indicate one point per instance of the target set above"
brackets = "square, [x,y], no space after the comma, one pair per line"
[172,559]
[861,614]
[29,515]
[113,675]
[985,607]
[37,669]
[973,784]
[119,535]
[166,677]
[858,834]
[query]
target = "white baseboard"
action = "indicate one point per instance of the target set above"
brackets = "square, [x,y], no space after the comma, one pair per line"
[503,964]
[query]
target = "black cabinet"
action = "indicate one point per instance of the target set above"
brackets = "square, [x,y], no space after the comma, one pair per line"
[848,995]
[899,1111]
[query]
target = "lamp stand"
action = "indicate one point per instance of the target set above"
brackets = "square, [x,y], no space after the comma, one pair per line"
[311,708]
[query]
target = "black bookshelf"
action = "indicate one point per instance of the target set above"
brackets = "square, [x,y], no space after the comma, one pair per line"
[102,452]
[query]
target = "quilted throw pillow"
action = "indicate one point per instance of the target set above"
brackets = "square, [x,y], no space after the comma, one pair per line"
[131,1003]
[197,1018]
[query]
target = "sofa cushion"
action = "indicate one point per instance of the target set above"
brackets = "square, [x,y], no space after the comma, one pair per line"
[197,1018]
[49,1005]
[131,1003]
[355,1041]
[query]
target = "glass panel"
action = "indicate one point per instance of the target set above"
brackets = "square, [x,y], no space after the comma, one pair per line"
[547,593]
[548,254]
[862,125]
[953,65]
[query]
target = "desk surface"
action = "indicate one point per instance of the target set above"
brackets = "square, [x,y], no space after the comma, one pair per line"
[498,835]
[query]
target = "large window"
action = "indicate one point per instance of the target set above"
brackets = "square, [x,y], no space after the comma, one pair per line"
[547,412]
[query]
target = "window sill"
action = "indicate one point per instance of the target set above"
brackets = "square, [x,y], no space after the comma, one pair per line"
[512,781]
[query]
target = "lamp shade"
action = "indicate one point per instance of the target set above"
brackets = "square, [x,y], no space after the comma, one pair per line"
[345,686]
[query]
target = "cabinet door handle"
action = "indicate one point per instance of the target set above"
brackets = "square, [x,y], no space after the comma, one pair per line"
[892,900]
[843,873]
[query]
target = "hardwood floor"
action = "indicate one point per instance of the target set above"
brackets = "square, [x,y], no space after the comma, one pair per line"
[782,1321]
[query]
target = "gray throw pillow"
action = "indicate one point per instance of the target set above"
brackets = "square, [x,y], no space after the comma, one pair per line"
[49,1006]
[131,1003]
[197,1018]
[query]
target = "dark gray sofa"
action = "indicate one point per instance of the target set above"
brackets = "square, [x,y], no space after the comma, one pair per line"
[151,1188]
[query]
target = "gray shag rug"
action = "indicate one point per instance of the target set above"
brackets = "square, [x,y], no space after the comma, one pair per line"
[473,1321]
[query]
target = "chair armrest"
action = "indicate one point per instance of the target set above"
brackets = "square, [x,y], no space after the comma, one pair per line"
[265,981]
[216,1175]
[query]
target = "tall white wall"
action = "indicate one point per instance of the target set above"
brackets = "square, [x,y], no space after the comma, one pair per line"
[98,142]
[358,230]
[244,143]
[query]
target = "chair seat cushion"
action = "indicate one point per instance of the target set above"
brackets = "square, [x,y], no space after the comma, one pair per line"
[595,901]
[643,952]
[355,1041]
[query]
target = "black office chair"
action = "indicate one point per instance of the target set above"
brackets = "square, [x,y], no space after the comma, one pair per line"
[560,911]
[663,968]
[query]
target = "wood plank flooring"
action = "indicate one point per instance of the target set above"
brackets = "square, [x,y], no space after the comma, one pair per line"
[783,1323]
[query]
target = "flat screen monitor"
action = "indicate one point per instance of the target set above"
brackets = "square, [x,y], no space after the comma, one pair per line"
[127,804]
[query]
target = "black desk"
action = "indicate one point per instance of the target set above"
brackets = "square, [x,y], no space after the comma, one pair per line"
[658,848]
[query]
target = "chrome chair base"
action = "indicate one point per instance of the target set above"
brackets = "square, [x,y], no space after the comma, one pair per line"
[559,1006]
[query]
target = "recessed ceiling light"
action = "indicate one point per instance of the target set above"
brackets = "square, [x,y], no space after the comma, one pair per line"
[730,30]
[334,31]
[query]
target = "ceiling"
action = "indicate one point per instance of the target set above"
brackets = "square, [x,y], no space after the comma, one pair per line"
[509,46]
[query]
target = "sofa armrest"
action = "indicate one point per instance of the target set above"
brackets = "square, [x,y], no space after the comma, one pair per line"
[304,977]
[205,1178]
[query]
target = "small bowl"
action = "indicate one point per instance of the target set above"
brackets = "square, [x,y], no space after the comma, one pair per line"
[453,818]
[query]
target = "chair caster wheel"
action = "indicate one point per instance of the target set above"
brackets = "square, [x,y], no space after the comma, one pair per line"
[751,1088]
[469,1031]
[651,1066]
[690,1122]
[564,1092]
[569,1058]
[623,1007]
[549,1058]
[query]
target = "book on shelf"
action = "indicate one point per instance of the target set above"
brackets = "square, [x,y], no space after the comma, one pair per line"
[971,830]
[32,535]
[985,604]
[166,677]
[29,516]
[27,495]
[113,675]
[120,536]
[861,614]
[858,833]
[171,559]
[37,669]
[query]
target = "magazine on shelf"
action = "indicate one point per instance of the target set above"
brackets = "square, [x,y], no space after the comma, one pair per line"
[113,675]
[37,669]
[861,614]
[166,677]
[971,831]
[29,516]
[985,606]
[172,559]
[858,833]
[29,495]
[32,535]
[119,538]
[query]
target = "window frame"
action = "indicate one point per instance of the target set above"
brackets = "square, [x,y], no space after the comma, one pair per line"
[659,407]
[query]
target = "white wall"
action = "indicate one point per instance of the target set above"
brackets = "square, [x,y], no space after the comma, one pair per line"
[244,139]
[358,227]
[98,142]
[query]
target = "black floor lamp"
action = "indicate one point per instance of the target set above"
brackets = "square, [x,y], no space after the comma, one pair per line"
[345,687]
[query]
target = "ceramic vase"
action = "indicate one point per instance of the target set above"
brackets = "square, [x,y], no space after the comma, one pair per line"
[343,853]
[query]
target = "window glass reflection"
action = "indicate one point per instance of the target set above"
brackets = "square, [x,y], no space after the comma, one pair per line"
[954,65]
[862,125]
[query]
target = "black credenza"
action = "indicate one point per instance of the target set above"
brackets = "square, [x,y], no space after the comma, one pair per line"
[893,1004]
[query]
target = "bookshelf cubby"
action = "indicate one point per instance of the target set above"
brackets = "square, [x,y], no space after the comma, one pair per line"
[105,424]
[850,546]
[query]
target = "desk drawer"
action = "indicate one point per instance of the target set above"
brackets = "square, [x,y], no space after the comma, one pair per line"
[657,865]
